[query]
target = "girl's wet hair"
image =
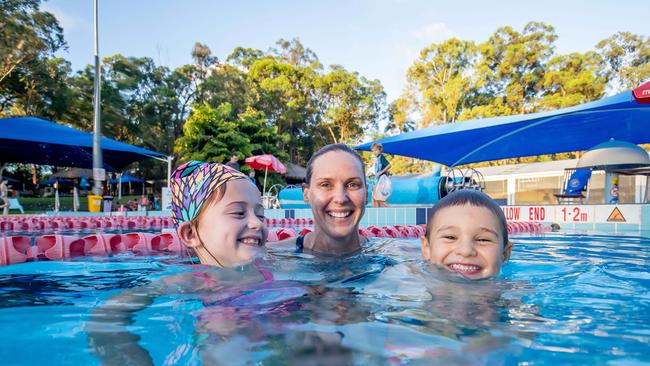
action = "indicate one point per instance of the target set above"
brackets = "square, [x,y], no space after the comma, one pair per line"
[473,198]
[328,148]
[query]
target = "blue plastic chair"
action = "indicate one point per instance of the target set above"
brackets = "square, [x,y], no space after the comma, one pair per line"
[575,186]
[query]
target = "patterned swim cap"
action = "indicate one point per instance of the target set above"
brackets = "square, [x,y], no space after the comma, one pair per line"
[192,183]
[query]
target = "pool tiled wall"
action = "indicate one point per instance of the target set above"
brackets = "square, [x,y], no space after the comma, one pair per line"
[417,215]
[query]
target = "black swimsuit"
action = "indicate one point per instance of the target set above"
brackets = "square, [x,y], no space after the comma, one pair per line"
[300,243]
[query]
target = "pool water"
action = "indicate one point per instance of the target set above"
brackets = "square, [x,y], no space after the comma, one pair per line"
[562,299]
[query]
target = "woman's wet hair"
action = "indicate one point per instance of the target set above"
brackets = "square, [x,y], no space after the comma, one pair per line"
[328,148]
[474,198]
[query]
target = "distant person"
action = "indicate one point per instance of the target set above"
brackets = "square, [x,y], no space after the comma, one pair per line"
[143,203]
[151,204]
[251,176]
[381,192]
[467,234]
[233,163]
[614,192]
[131,205]
[4,196]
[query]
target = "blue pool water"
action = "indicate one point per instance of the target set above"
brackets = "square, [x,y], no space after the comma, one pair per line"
[563,299]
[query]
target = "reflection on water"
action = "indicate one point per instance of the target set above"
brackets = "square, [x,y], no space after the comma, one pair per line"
[564,299]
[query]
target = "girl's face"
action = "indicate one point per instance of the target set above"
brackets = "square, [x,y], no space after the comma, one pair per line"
[337,194]
[233,229]
[467,240]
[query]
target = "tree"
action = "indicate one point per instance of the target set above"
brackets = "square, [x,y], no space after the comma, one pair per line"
[512,65]
[440,79]
[399,116]
[628,58]
[573,79]
[351,104]
[28,38]
[213,134]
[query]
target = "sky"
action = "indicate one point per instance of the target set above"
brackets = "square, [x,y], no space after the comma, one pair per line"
[379,39]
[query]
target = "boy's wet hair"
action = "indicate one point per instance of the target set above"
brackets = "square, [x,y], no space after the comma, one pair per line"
[332,147]
[473,198]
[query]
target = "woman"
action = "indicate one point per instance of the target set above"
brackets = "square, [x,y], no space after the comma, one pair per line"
[335,188]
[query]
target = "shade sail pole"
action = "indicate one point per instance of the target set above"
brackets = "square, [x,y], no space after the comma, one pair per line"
[97,148]
[266,171]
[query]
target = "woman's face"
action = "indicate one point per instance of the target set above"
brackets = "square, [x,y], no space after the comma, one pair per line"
[233,229]
[337,194]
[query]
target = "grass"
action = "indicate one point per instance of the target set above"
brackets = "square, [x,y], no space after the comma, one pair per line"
[35,205]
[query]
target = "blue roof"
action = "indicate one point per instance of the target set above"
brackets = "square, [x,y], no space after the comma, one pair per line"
[126,178]
[37,141]
[570,129]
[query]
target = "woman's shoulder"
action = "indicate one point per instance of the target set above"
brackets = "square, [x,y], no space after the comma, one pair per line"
[288,244]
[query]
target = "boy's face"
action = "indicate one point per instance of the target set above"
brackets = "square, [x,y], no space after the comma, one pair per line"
[466,240]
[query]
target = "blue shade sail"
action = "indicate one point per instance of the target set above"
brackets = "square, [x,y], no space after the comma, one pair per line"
[569,129]
[37,141]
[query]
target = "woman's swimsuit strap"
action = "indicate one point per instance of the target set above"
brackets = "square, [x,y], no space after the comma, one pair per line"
[300,243]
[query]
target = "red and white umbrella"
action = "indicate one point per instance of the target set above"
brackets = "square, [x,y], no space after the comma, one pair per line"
[266,162]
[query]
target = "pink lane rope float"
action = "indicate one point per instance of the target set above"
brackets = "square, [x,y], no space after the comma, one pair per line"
[23,248]
[30,223]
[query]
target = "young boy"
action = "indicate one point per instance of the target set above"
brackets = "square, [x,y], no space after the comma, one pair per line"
[467,234]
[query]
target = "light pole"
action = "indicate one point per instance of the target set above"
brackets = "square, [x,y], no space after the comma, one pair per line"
[99,175]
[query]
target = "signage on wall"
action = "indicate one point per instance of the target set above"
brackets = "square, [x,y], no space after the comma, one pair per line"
[574,213]
[616,216]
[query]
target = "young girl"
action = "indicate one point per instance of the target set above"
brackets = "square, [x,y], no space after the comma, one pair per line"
[219,215]
[467,234]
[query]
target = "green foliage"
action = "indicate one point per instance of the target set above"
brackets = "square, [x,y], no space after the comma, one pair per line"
[439,80]
[29,81]
[213,134]
[351,104]
[628,58]
[573,79]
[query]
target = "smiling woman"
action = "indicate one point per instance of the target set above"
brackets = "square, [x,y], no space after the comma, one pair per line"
[335,188]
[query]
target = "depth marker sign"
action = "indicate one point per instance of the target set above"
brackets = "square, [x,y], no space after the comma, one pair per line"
[616,216]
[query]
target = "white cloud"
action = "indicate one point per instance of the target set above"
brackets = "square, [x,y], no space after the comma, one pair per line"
[66,21]
[433,33]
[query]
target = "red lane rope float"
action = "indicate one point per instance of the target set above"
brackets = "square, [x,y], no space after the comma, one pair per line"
[24,248]
[30,223]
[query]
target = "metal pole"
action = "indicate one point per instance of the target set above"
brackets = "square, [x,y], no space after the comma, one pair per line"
[97,148]
[169,170]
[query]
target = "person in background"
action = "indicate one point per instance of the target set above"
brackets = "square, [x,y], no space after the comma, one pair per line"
[381,167]
[233,163]
[151,204]
[467,233]
[4,196]
[251,176]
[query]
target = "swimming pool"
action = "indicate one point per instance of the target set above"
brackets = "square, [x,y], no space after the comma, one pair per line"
[563,299]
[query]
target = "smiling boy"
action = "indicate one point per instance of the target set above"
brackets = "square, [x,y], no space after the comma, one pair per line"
[467,234]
